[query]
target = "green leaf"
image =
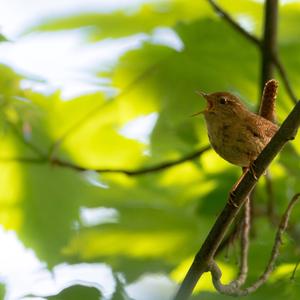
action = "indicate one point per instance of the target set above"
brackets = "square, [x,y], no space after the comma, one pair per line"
[2,291]
[3,38]
[162,217]
[77,292]
[122,23]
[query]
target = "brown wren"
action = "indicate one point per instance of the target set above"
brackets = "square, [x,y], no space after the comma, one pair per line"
[235,133]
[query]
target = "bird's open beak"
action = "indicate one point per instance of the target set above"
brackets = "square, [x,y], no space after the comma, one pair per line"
[206,97]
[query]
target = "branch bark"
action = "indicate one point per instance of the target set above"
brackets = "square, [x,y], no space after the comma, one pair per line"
[141,171]
[234,24]
[257,42]
[269,42]
[75,167]
[286,132]
[243,272]
[235,290]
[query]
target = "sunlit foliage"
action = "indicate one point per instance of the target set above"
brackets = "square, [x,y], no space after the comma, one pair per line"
[161,217]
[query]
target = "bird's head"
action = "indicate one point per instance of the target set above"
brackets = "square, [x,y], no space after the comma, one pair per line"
[221,103]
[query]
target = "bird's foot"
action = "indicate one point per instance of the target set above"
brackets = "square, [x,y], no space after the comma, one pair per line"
[231,199]
[252,171]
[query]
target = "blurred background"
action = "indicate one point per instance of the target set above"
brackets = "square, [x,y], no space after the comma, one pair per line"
[92,91]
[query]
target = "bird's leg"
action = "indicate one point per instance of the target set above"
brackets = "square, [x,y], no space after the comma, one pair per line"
[232,191]
[230,199]
[251,170]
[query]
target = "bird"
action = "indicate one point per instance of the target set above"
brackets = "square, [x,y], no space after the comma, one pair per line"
[235,133]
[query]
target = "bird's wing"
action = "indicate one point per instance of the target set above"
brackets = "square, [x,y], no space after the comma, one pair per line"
[260,126]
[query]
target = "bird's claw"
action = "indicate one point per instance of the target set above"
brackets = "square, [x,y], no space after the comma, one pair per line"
[230,200]
[252,171]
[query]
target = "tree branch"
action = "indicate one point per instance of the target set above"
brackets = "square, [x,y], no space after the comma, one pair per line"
[295,270]
[203,258]
[146,170]
[232,289]
[269,41]
[222,13]
[244,246]
[283,74]
[256,41]
[275,250]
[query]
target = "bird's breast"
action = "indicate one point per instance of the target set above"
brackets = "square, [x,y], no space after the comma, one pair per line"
[229,140]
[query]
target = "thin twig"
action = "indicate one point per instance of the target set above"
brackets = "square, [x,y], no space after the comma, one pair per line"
[203,258]
[281,70]
[256,41]
[295,270]
[221,12]
[275,250]
[145,170]
[244,246]
[241,228]
[232,289]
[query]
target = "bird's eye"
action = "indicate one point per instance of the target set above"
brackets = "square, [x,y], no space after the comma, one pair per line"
[223,100]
